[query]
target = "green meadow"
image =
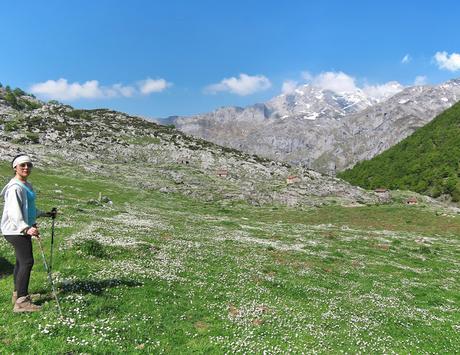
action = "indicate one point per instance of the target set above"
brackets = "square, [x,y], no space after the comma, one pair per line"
[161,273]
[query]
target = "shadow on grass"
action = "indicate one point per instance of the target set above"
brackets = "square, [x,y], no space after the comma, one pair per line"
[6,268]
[85,287]
[96,287]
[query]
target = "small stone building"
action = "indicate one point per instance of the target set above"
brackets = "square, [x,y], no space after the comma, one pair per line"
[412,200]
[292,179]
[383,194]
[223,173]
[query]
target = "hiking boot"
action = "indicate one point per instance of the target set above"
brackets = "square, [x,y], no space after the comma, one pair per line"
[24,304]
[14,297]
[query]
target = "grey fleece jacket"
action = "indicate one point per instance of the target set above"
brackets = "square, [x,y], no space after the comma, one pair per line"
[14,218]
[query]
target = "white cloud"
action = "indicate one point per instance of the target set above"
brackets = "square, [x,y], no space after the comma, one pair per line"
[406,59]
[149,86]
[335,81]
[61,89]
[117,90]
[383,91]
[420,80]
[449,62]
[340,83]
[289,86]
[244,85]
[306,76]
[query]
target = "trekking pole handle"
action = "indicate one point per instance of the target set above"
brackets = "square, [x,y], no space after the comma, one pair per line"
[53,213]
[37,236]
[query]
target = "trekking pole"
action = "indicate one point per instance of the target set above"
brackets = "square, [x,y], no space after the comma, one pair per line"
[53,217]
[50,278]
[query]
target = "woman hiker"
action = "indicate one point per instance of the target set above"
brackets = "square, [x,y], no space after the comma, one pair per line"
[18,226]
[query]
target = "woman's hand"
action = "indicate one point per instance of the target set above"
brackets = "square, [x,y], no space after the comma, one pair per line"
[32,231]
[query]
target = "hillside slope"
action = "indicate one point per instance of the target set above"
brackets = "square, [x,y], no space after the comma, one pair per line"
[169,274]
[151,156]
[427,162]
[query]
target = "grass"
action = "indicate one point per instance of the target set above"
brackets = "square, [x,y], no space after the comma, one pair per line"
[157,273]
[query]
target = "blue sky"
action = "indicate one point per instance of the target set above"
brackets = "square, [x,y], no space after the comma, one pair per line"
[162,58]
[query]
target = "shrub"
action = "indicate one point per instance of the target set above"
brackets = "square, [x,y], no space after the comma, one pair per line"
[11,126]
[92,247]
[29,137]
[61,127]
[10,98]
[19,92]
[456,193]
[80,114]
[30,105]
[33,137]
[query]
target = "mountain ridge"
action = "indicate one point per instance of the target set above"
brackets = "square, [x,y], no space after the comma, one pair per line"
[330,142]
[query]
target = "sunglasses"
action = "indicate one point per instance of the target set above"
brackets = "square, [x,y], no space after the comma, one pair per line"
[23,165]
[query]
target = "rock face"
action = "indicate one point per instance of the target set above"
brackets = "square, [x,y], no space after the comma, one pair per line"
[116,145]
[320,129]
[374,130]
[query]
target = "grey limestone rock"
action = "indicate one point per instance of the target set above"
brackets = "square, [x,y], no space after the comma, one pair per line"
[320,129]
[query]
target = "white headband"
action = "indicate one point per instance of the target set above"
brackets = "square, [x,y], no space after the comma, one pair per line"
[21,159]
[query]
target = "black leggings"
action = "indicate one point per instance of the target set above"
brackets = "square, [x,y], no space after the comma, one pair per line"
[24,262]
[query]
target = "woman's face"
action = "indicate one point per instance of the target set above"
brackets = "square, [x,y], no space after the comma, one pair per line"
[23,170]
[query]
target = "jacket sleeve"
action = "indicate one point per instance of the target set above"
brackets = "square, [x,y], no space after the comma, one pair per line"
[40,213]
[13,203]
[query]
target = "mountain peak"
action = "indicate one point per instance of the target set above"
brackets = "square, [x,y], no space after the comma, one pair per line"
[313,102]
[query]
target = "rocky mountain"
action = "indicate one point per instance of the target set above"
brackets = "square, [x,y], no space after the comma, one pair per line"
[312,103]
[374,130]
[322,129]
[151,156]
